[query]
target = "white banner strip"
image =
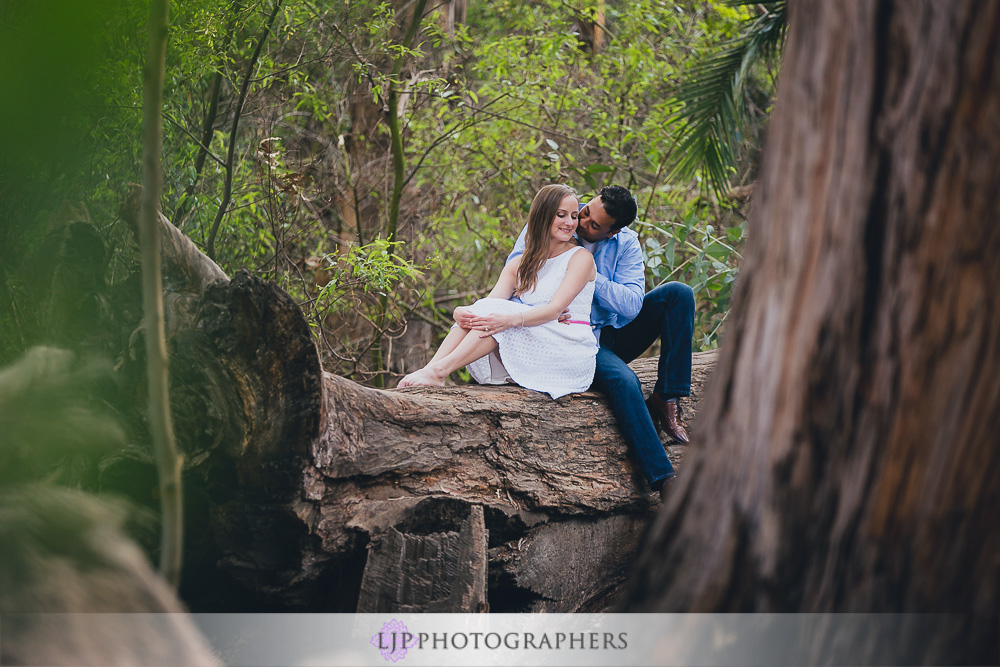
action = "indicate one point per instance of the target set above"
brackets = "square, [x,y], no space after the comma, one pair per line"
[695,640]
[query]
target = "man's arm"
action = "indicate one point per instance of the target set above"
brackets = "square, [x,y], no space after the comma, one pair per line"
[518,245]
[622,292]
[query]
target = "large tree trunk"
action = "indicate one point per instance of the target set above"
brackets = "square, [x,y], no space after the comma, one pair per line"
[850,459]
[316,493]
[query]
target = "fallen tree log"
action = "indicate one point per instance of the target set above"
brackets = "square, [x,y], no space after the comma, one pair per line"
[301,483]
[562,500]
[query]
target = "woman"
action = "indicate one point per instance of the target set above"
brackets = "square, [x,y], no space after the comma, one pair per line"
[531,347]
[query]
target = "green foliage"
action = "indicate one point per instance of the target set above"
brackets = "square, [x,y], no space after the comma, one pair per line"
[714,100]
[530,106]
[689,250]
[51,415]
[374,268]
[48,56]
[490,110]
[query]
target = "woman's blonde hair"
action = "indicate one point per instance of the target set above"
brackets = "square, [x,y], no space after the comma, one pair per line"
[536,243]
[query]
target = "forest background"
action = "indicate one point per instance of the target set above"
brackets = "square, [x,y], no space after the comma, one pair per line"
[375,168]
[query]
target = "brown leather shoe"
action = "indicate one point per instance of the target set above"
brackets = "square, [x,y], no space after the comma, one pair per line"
[667,413]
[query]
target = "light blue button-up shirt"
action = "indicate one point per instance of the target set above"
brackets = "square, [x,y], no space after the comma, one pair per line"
[621,279]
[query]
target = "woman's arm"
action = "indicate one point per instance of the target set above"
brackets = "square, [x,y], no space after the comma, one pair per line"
[504,289]
[580,271]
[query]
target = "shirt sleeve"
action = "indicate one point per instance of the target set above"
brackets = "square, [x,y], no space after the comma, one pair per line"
[622,292]
[518,245]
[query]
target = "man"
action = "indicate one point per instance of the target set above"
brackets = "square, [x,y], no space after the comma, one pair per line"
[626,322]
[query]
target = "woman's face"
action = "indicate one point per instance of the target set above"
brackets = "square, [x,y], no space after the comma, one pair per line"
[564,224]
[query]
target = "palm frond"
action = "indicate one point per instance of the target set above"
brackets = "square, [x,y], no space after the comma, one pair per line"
[710,115]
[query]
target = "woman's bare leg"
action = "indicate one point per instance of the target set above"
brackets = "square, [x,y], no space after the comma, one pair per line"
[468,350]
[471,347]
[450,342]
[448,345]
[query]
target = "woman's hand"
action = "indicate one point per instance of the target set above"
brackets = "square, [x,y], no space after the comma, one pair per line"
[491,324]
[463,317]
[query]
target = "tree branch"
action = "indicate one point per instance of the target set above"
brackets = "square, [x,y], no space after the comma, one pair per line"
[398,166]
[458,127]
[168,460]
[203,148]
[227,192]
[208,125]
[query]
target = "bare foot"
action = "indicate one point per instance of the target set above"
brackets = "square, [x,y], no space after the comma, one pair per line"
[421,378]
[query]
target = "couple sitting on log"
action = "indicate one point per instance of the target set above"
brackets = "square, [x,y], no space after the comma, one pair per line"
[569,312]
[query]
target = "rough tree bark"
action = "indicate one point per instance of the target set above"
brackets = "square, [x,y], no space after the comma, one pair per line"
[309,489]
[851,461]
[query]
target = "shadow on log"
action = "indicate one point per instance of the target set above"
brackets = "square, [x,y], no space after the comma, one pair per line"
[303,483]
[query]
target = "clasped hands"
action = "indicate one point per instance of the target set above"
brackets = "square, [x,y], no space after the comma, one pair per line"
[491,324]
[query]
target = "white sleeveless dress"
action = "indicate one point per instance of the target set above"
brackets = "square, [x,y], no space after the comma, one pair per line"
[555,358]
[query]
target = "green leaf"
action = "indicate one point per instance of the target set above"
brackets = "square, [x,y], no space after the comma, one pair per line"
[717,251]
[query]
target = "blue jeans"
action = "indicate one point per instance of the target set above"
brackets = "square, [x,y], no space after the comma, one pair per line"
[668,313]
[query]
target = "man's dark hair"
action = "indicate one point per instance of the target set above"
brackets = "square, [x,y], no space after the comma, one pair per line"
[619,204]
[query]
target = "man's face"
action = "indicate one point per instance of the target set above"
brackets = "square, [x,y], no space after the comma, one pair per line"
[595,223]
